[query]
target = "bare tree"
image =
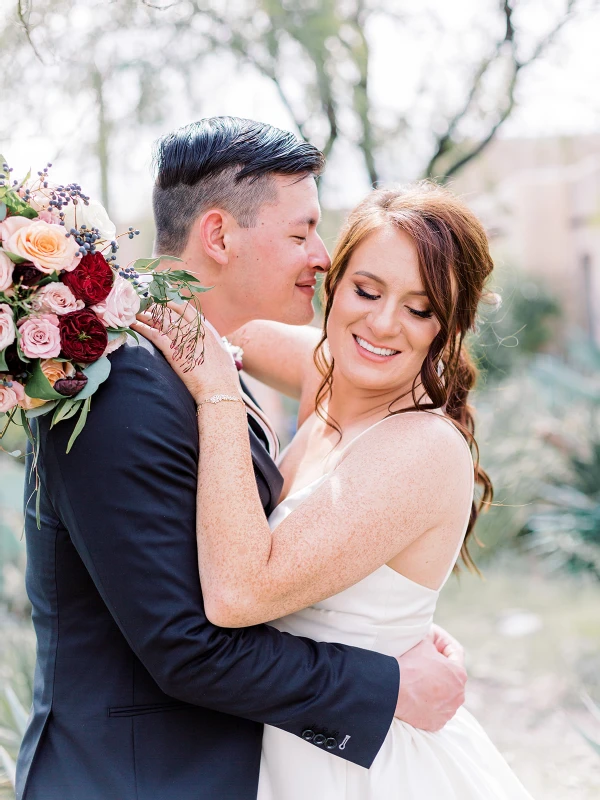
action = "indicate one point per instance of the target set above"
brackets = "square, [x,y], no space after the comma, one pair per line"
[318,54]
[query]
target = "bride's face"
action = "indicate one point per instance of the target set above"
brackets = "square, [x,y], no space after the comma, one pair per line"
[380,304]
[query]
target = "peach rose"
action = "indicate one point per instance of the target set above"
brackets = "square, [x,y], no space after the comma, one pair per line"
[120,307]
[40,336]
[6,270]
[56,298]
[57,370]
[11,393]
[8,332]
[27,403]
[44,244]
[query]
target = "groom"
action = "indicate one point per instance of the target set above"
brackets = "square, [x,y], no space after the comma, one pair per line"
[137,696]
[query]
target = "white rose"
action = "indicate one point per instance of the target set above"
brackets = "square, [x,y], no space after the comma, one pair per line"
[92,216]
[8,332]
[6,271]
[120,307]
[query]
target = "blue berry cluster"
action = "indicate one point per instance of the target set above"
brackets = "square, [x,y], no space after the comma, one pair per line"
[86,238]
[5,174]
[63,195]
[131,275]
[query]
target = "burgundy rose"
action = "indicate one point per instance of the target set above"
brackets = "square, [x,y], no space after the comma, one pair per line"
[26,274]
[83,338]
[69,387]
[16,367]
[91,281]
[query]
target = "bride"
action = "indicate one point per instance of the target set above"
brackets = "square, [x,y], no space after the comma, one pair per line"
[378,500]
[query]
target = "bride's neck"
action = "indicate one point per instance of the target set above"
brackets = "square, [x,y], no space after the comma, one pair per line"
[349,405]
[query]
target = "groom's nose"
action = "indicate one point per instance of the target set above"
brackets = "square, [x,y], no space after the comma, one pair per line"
[320,260]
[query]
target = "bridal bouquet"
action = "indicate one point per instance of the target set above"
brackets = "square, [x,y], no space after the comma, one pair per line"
[65,303]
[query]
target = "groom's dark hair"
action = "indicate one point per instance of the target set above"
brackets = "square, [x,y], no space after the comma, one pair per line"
[222,162]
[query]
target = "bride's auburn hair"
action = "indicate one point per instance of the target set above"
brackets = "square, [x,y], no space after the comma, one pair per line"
[454,265]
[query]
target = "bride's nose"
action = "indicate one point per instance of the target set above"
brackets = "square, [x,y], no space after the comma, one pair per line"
[385,322]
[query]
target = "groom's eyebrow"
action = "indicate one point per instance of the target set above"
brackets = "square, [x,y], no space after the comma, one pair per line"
[310,221]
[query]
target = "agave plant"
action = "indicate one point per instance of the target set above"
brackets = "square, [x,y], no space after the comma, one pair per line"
[565,523]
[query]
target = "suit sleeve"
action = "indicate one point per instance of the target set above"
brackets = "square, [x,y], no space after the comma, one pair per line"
[126,493]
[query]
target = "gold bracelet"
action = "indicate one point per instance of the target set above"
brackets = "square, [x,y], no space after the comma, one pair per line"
[219,398]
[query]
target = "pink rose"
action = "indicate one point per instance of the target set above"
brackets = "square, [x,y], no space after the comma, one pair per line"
[7,326]
[10,225]
[44,244]
[40,336]
[56,298]
[120,307]
[49,216]
[6,270]
[11,393]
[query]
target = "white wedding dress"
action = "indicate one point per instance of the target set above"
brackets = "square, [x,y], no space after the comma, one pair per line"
[388,613]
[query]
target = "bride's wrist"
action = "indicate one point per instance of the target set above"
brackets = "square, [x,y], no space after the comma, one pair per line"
[217,394]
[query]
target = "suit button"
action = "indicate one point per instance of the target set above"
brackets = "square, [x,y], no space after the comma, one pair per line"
[308,735]
[319,739]
[331,743]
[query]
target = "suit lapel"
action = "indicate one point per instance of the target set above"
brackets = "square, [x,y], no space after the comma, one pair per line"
[268,477]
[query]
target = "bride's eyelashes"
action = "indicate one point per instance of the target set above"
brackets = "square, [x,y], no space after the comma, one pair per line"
[414,311]
[420,314]
[361,293]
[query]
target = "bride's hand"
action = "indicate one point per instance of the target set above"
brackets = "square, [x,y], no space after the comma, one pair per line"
[215,374]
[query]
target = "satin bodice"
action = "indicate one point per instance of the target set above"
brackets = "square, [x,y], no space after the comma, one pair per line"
[386,611]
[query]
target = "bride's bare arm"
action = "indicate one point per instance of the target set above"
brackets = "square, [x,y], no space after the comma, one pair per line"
[380,498]
[279,355]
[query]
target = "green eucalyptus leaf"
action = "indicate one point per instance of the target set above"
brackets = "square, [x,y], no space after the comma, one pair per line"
[40,411]
[14,258]
[80,423]
[145,303]
[25,424]
[28,212]
[3,364]
[96,374]
[38,385]
[3,211]
[133,333]
[23,182]
[64,410]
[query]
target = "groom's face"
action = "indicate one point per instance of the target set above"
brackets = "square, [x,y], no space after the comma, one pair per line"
[273,270]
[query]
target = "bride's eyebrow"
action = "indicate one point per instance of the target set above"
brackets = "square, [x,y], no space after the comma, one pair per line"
[373,277]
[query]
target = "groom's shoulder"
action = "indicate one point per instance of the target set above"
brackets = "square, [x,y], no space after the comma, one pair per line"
[140,369]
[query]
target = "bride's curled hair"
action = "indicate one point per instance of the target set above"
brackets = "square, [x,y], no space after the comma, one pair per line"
[454,264]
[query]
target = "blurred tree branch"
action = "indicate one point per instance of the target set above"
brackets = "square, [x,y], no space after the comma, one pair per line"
[317,56]
[448,143]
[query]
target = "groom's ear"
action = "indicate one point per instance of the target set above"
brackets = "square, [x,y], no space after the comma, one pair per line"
[212,233]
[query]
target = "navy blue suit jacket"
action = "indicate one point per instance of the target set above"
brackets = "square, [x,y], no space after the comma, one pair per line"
[137,696]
